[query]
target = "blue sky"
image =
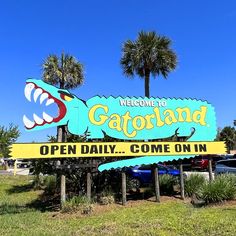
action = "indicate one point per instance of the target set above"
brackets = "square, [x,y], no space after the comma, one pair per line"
[203,35]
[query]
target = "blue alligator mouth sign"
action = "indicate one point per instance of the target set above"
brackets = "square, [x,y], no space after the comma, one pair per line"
[123,118]
[128,118]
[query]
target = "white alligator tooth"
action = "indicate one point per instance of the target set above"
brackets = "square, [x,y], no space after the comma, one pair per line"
[43,97]
[49,101]
[28,123]
[47,118]
[37,119]
[37,92]
[28,89]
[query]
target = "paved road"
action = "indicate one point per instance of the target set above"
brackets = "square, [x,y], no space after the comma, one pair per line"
[24,171]
[4,172]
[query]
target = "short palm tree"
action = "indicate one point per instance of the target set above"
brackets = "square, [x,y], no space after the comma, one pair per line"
[228,134]
[65,71]
[149,55]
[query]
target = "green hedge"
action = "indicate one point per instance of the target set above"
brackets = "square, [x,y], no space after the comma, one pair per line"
[220,189]
[193,183]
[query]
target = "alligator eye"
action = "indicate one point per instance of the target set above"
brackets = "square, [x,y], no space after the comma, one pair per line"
[65,97]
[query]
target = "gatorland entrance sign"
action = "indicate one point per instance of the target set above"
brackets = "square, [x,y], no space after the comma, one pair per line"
[127,120]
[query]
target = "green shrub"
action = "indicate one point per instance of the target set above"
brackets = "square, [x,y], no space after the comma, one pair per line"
[132,184]
[78,204]
[229,177]
[7,208]
[2,167]
[106,197]
[38,182]
[193,183]
[167,183]
[106,200]
[148,192]
[50,184]
[220,189]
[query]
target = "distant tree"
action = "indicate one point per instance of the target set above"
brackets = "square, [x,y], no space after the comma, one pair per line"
[8,135]
[218,134]
[71,138]
[228,134]
[150,54]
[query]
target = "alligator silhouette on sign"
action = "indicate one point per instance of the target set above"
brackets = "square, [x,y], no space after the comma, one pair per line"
[126,118]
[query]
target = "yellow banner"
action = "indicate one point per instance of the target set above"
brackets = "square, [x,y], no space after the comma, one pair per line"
[114,149]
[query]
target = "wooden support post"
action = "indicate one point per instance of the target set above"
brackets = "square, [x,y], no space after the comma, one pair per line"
[123,187]
[210,169]
[181,180]
[6,164]
[89,184]
[63,189]
[61,137]
[15,168]
[156,183]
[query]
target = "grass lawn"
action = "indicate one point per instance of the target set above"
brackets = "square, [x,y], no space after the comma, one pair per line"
[170,217]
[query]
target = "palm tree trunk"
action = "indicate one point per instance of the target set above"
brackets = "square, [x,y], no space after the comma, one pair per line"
[61,137]
[147,83]
[155,169]
[60,134]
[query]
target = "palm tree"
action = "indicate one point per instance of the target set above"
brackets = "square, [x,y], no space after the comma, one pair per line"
[228,134]
[149,55]
[66,72]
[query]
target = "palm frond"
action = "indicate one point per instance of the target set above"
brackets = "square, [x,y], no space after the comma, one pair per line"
[149,52]
[64,71]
